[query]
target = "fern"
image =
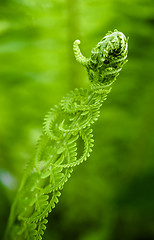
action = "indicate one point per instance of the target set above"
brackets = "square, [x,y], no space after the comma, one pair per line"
[57,149]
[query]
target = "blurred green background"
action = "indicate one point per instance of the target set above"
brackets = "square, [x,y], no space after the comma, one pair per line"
[111,196]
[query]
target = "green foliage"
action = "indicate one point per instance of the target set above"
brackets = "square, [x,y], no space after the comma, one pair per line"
[58,148]
[111,196]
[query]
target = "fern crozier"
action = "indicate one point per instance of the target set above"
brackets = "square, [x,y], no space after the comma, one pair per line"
[58,150]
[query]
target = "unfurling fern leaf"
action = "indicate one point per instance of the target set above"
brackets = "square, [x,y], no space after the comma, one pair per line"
[57,150]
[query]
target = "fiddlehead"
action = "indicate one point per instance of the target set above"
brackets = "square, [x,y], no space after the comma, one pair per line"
[106,60]
[58,149]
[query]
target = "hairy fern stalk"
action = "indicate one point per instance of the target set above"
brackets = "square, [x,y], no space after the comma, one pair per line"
[57,149]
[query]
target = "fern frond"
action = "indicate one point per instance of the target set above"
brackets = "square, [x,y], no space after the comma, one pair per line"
[65,128]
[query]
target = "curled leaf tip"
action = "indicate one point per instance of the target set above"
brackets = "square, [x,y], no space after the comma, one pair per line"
[107,58]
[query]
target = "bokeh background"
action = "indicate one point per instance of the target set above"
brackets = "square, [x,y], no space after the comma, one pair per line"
[111,196]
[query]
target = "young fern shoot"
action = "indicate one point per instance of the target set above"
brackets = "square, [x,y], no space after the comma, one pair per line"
[57,149]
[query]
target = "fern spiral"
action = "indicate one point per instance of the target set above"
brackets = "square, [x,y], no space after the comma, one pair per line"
[106,60]
[67,124]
